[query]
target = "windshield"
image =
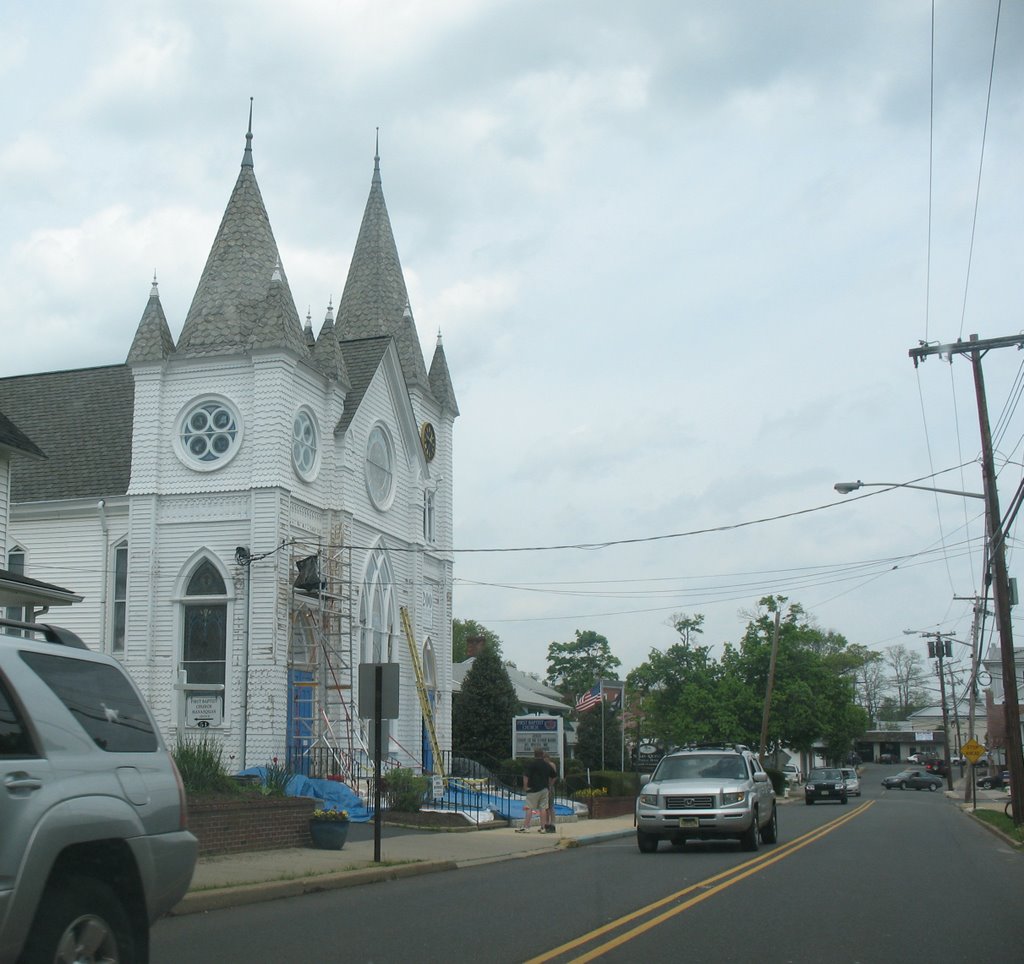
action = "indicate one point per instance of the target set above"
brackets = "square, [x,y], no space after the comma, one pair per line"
[703,766]
[825,775]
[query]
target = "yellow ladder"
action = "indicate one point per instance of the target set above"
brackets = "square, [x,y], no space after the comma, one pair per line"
[421,691]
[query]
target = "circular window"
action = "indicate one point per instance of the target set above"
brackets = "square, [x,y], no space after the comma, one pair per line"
[304,444]
[379,462]
[210,434]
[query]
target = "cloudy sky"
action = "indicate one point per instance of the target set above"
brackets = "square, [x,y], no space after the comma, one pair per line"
[678,252]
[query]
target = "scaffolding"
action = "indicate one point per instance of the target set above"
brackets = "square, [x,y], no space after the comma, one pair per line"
[324,731]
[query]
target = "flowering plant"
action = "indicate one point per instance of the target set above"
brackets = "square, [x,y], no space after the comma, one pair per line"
[592,792]
[333,816]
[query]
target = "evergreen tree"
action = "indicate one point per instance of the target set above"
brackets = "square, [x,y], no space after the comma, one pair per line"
[482,711]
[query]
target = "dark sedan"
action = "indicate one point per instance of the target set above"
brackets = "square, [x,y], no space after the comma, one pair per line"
[913,780]
[993,781]
[825,784]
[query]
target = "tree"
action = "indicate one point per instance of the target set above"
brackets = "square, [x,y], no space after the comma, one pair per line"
[574,667]
[482,711]
[593,741]
[907,671]
[688,626]
[465,629]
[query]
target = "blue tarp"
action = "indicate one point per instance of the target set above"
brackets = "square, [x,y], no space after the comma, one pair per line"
[458,796]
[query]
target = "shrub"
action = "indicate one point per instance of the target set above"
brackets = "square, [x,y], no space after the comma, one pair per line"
[404,791]
[199,762]
[276,780]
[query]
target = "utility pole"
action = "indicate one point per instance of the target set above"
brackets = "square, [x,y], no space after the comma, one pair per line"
[970,793]
[771,684]
[997,552]
[939,647]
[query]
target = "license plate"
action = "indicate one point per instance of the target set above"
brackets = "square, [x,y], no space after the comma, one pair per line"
[824,793]
[689,822]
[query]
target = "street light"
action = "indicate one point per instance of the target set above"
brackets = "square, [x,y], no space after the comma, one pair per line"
[845,488]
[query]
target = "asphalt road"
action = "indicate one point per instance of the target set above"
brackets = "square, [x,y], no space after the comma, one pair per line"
[893,876]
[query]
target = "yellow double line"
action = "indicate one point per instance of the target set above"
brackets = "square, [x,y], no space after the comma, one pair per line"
[707,888]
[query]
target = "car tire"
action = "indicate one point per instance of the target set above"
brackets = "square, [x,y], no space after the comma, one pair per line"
[647,843]
[770,833]
[933,787]
[751,838]
[843,800]
[79,908]
[808,801]
[985,784]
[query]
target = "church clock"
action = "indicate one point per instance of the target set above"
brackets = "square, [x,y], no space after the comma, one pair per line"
[428,439]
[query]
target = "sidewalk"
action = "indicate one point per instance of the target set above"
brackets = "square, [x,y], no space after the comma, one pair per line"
[247,878]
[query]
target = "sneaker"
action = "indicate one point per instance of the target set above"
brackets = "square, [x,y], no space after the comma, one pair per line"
[550,828]
[520,829]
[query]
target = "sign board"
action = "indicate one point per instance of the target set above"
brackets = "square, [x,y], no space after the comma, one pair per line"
[973,750]
[437,788]
[368,689]
[529,732]
[926,737]
[203,709]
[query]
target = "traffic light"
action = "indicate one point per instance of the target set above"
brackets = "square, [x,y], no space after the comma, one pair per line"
[931,649]
[949,648]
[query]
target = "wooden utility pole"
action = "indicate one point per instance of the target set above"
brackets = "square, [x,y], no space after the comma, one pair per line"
[771,684]
[997,552]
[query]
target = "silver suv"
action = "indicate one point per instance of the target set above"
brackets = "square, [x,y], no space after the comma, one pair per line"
[94,844]
[707,793]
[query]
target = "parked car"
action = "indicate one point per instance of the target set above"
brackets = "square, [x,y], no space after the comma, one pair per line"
[851,780]
[913,780]
[993,781]
[937,766]
[707,793]
[826,783]
[921,757]
[792,773]
[95,844]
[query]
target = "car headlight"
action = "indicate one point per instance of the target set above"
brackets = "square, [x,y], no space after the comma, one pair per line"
[734,797]
[650,799]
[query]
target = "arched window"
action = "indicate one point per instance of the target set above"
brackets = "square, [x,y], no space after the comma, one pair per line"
[119,599]
[377,611]
[204,645]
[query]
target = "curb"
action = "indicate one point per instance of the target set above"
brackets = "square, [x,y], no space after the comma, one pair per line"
[199,902]
[568,843]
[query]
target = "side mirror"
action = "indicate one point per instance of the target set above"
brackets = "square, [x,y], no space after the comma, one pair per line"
[761,777]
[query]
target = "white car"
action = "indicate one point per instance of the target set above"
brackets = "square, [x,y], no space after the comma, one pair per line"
[792,773]
[852,781]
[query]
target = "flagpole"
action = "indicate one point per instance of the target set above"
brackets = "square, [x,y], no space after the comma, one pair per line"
[600,703]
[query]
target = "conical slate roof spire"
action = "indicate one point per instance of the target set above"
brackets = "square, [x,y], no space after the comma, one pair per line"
[153,341]
[375,299]
[441,380]
[235,282]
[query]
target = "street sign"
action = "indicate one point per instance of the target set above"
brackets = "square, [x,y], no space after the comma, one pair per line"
[973,750]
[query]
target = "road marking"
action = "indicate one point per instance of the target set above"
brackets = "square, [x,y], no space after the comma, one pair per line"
[707,888]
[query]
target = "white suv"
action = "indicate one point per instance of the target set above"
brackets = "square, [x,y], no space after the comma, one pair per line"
[707,793]
[94,844]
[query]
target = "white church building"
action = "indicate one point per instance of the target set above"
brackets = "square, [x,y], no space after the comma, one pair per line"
[247,510]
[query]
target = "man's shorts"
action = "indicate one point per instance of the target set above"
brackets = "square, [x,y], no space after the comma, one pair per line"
[537,800]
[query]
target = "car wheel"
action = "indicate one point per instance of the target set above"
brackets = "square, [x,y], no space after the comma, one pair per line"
[809,801]
[770,833]
[751,838]
[933,787]
[985,784]
[843,799]
[647,842]
[78,920]
[903,784]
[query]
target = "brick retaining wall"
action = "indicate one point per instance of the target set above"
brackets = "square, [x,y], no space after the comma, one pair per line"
[610,806]
[229,826]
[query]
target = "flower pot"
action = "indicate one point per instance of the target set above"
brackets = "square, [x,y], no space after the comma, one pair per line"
[328,834]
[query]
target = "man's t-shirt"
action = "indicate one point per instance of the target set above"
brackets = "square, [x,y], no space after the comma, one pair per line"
[537,774]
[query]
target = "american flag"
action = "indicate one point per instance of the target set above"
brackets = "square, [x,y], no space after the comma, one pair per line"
[589,699]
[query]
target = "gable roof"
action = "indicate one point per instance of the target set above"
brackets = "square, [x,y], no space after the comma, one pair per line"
[362,359]
[18,590]
[14,439]
[375,300]
[82,419]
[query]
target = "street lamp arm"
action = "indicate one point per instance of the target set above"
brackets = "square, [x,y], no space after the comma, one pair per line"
[845,488]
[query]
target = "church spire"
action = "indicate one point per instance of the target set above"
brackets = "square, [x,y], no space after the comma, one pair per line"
[375,301]
[236,279]
[153,341]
